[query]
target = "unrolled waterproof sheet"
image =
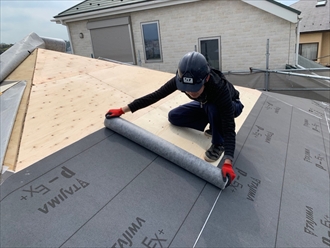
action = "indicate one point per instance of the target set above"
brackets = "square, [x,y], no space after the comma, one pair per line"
[11,58]
[9,103]
[107,191]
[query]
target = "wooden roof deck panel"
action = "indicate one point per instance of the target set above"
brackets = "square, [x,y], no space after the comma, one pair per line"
[69,99]
[61,108]
[71,94]
[188,139]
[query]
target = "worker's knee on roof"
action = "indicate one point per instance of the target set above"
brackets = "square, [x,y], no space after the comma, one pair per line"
[173,117]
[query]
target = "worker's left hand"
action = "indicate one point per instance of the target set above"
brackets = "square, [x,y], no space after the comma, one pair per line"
[228,172]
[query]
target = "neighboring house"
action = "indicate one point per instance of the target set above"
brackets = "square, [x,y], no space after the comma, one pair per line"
[156,34]
[314,30]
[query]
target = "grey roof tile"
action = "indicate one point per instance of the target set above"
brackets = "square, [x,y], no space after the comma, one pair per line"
[94,5]
[313,18]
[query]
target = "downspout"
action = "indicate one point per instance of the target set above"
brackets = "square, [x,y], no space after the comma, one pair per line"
[67,30]
[267,67]
[69,35]
[297,40]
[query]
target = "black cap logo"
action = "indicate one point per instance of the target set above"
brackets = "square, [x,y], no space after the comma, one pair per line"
[188,80]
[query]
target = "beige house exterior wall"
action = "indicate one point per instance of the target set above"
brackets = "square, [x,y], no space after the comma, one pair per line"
[243,29]
[81,46]
[323,39]
[307,38]
[325,51]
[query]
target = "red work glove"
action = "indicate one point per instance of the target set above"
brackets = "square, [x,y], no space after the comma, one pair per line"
[228,171]
[114,113]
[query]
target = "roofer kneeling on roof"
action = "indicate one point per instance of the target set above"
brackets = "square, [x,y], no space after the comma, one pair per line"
[215,102]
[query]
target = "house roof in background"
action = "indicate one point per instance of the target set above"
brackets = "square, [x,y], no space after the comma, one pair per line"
[313,18]
[94,5]
[276,8]
[99,8]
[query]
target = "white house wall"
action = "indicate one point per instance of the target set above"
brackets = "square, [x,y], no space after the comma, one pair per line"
[244,31]
[81,46]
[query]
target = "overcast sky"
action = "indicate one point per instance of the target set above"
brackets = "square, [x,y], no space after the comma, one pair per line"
[22,17]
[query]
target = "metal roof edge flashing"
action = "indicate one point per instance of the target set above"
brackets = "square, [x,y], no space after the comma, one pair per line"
[285,6]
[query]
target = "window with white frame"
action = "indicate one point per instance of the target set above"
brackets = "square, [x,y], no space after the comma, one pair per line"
[211,49]
[151,41]
[309,50]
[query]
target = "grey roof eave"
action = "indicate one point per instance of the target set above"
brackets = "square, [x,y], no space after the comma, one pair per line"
[123,9]
[314,31]
[132,7]
[284,6]
[62,14]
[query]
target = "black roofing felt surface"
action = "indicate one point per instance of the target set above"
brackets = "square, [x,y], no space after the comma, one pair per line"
[106,191]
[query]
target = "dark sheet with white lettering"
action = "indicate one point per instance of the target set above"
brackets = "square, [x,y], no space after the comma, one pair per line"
[106,191]
[280,197]
[103,191]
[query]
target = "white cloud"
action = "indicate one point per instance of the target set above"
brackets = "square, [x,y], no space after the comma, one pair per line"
[20,18]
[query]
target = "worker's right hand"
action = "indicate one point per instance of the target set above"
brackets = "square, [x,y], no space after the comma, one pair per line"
[114,113]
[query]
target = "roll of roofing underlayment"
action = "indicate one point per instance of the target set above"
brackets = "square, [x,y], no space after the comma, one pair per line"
[14,56]
[54,44]
[167,150]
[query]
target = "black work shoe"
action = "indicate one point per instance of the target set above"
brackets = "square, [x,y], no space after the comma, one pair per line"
[208,133]
[214,153]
